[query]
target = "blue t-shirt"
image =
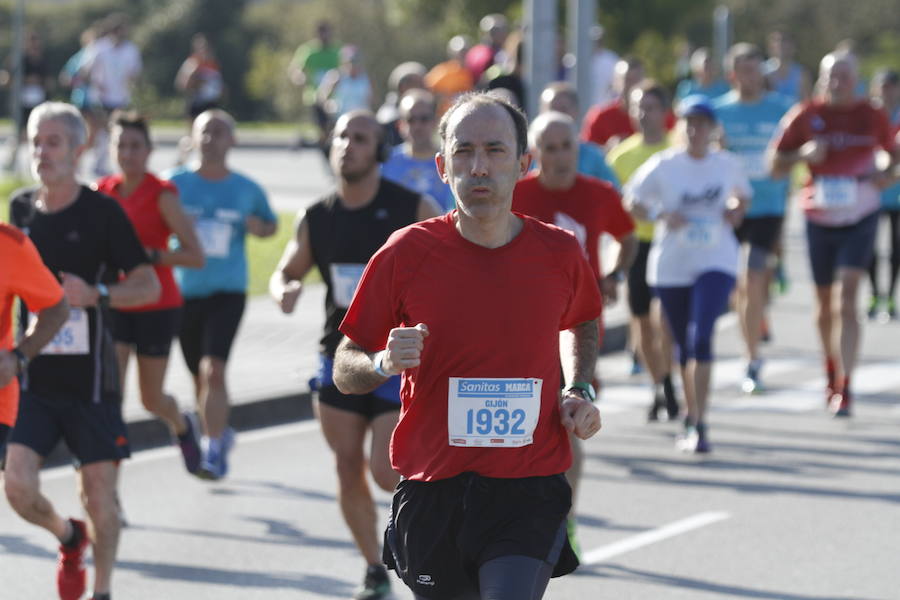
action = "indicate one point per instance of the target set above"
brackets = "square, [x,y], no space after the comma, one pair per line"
[418,174]
[219,210]
[890,197]
[689,87]
[749,127]
[592,161]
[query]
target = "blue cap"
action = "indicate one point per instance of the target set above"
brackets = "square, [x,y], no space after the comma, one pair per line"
[696,105]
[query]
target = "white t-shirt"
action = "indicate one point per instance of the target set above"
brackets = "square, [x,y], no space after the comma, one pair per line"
[672,181]
[113,69]
[603,67]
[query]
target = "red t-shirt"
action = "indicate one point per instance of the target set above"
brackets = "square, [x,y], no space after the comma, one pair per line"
[852,134]
[142,208]
[606,121]
[491,313]
[22,274]
[589,208]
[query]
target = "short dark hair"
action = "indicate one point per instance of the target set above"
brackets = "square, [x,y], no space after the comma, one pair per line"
[742,51]
[483,98]
[132,120]
[650,87]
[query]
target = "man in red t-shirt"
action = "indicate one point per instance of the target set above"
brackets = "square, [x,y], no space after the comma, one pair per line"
[469,308]
[837,136]
[608,124]
[23,275]
[584,206]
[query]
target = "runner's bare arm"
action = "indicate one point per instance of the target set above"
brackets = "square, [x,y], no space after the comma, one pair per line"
[189,253]
[47,324]
[578,349]
[578,354]
[260,228]
[355,369]
[609,286]
[139,287]
[285,284]
[781,162]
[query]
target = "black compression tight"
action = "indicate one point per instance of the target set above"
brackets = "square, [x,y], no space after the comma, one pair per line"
[510,578]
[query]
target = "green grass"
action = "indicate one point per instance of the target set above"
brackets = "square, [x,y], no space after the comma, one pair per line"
[262,254]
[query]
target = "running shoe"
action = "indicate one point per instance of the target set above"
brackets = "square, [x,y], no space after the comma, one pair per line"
[839,405]
[636,367]
[376,584]
[752,383]
[702,446]
[71,577]
[687,441]
[658,404]
[214,465]
[891,309]
[189,446]
[672,407]
[873,307]
[573,538]
[782,283]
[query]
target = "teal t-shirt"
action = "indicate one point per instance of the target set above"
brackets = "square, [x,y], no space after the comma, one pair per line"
[592,161]
[689,87]
[890,197]
[749,127]
[419,175]
[219,210]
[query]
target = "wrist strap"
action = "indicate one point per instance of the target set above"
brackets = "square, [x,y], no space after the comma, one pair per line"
[583,388]
[376,362]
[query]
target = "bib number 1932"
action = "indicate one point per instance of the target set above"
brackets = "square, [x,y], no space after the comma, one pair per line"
[493,412]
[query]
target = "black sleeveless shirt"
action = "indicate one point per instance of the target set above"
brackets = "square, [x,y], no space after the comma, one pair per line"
[343,241]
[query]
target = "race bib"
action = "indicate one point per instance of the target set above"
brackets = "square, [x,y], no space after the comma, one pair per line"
[834,192]
[215,237]
[344,279]
[754,164]
[496,413]
[700,233]
[72,338]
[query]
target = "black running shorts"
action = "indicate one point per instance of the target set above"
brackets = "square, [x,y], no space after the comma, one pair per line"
[762,232]
[831,248]
[93,431]
[150,332]
[208,327]
[441,532]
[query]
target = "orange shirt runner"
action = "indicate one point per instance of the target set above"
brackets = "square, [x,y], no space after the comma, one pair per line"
[22,274]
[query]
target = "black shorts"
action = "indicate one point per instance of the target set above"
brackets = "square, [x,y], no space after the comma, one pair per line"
[383,399]
[834,247]
[441,532]
[639,293]
[149,332]
[4,433]
[196,108]
[763,232]
[208,327]
[93,431]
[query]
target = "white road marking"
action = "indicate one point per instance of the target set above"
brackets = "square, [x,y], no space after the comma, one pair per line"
[640,540]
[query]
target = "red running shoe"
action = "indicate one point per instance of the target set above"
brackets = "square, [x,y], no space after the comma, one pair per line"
[839,406]
[71,576]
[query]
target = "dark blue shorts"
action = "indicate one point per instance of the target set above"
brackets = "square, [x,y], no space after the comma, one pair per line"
[831,248]
[93,431]
[383,399]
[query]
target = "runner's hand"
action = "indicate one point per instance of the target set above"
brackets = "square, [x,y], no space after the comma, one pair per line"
[674,220]
[404,348]
[78,292]
[290,293]
[579,416]
[255,225]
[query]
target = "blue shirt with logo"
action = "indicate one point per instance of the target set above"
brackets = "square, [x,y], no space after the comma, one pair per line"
[219,209]
[749,127]
[418,174]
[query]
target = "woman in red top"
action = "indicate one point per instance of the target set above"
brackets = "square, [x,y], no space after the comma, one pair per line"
[154,209]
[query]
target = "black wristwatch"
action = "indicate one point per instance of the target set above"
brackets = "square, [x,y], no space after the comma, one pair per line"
[21,361]
[584,389]
[154,255]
